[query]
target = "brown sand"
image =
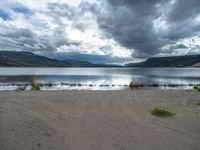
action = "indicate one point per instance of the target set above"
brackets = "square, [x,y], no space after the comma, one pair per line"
[98,120]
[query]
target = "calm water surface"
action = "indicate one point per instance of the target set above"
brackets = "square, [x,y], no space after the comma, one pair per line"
[98,78]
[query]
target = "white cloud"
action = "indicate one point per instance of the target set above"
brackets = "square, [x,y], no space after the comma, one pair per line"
[60,32]
[56,27]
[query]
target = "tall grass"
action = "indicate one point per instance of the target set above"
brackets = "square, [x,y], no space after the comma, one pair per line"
[35,84]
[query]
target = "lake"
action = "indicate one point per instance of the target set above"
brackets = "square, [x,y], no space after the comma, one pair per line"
[99,78]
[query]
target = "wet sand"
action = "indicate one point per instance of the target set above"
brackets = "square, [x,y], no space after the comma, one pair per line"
[98,120]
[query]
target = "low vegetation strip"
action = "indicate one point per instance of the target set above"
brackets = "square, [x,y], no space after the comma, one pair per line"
[197,87]
[161,112]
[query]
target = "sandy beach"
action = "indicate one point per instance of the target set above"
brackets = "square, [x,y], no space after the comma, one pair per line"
[98,120]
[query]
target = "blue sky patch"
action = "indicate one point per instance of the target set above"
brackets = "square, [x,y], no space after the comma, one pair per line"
[4,15]
[22,9]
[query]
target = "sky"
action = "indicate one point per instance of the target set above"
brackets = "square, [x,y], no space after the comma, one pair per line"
[101,31]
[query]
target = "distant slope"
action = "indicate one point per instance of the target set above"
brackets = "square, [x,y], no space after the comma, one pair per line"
[176,61]
[26,59]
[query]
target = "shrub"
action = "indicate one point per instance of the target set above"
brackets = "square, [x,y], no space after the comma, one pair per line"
[161,112]
[135,85]
[35,85]
[197,87]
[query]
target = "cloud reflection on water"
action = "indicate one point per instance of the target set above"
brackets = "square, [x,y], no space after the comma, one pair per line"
[99,78]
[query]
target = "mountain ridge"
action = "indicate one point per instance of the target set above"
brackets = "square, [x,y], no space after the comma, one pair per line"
[28,59]
[173,61]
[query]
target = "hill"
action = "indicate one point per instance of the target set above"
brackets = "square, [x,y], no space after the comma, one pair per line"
[27,59]
[175,61]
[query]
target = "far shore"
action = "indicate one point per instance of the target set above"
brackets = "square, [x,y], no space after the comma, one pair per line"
[100,120]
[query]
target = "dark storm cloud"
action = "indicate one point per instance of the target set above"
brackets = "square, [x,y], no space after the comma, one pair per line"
[182,21]
[147,27]
[131,23]
[183,10]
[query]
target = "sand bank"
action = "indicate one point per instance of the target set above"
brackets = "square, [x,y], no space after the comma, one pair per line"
[98,120]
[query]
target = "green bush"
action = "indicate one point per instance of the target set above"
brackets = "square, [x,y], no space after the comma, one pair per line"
[36,86]
[197,88]
[161,112]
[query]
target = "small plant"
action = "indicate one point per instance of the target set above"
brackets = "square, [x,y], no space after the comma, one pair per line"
[35,85]
[198,103]
[197,87]
[135,85]
[161,112]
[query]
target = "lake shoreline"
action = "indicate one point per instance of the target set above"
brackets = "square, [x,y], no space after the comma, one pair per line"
[79,86]
[99,78]
[98,120]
